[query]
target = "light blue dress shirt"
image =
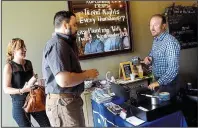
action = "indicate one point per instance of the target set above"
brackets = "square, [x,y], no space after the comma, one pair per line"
[95,46]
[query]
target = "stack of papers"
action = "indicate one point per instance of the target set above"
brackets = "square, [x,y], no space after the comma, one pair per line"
[134,120]
[100,96]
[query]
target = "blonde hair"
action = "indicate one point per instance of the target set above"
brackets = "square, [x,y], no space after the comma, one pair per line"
[14,44]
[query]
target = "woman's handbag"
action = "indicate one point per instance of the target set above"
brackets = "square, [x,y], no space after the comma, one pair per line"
[35,100]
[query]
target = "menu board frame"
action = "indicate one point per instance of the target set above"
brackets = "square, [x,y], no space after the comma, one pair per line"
[125,69]
[127,21]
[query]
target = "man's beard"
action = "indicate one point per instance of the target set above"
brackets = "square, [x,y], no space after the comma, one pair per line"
[73,37]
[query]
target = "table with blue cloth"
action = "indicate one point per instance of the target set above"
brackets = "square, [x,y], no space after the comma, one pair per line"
[102,117]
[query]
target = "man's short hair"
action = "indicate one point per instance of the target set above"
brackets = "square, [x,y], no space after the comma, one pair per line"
[62,16]
[160,16]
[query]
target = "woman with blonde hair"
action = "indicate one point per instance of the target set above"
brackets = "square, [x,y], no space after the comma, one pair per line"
[17,72]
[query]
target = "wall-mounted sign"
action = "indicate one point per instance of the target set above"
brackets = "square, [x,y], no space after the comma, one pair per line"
[103,28]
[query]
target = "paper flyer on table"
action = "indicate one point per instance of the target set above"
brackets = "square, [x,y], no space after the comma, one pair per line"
[134,120]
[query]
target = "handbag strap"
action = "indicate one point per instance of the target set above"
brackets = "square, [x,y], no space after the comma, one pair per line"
[41,88]
[33,97]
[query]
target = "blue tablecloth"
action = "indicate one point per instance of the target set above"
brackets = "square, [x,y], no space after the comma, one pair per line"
[102,117]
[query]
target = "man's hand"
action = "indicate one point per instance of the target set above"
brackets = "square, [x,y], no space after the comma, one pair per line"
[147,60]
[153,85]
[91,73]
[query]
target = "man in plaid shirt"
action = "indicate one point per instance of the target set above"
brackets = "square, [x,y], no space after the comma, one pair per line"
[164,56]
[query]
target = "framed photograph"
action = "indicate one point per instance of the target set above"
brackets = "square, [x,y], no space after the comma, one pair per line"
[125,70]
[103,28]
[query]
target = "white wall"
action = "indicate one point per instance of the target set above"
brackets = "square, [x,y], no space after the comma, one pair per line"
[0,69]
[33,22]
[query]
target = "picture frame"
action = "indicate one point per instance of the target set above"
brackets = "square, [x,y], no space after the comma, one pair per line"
[125,69]
[104,28]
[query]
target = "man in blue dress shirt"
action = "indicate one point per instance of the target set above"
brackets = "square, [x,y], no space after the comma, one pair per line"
[113,42]
[94,45]
[164,56]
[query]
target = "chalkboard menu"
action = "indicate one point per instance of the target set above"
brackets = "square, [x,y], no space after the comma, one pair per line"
[127,70]
[182,22]
[103,27]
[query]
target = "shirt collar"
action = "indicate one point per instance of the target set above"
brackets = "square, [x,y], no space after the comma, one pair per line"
[63,36]
[161,36]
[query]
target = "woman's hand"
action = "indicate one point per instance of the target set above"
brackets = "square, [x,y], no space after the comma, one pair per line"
[26,88]
[40,82]
[32,81]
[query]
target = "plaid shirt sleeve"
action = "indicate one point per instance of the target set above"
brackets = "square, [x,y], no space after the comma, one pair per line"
[151,53]
[172,56]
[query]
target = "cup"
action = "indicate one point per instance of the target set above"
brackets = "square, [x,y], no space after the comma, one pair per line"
[132,76]
[140,74]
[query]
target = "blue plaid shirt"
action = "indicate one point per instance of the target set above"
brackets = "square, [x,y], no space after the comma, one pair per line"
[165,55]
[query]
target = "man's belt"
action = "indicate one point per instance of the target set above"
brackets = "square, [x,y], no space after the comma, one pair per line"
[63,95]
